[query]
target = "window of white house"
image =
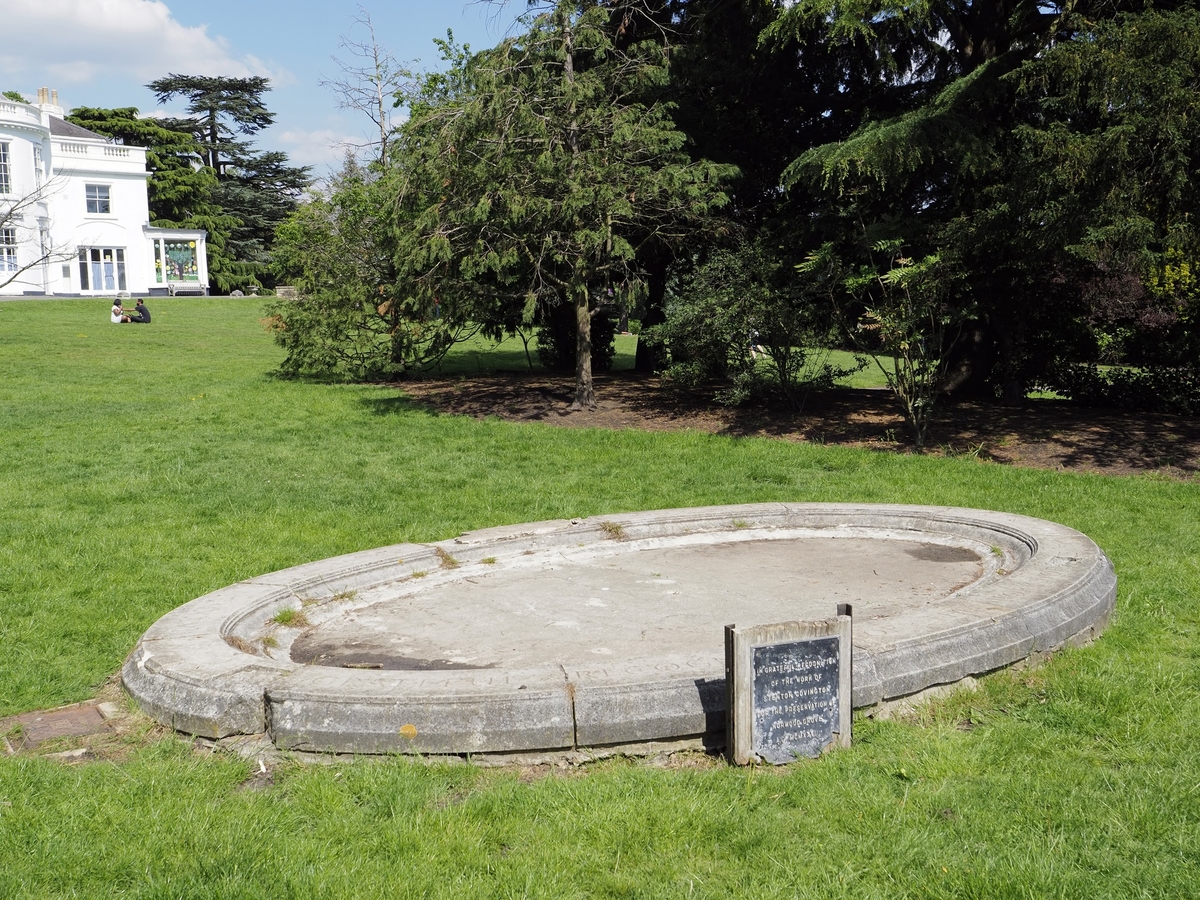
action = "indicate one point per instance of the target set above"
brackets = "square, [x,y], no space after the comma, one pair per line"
[8,249]
[102,269]
[37,165]
[97,199]
[5,174]
[175,261]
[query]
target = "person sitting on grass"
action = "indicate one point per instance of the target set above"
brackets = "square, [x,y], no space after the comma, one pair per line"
[118,313]
[143,314]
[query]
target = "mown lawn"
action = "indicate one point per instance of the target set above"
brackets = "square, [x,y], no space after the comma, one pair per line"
[483,356]
[143,466]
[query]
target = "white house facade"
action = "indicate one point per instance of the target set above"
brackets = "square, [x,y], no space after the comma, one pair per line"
[74,219]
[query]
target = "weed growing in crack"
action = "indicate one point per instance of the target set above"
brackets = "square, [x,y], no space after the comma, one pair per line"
[289,617]
[612,531]
[239,643]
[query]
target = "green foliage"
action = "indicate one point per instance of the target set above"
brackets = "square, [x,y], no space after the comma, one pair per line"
[528,179]
[260,191]
[14,96]
[223,107]
[742,314]
[1111,133]
[1174,390]
[890,153]
[1112,111]
[906,314]
[759,107]
[1176,281]
[255,190]
[290,617]
[536,174]
[1052,161]
[921,42]
[355,315]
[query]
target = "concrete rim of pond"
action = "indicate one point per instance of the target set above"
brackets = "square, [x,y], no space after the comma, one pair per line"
[222,664]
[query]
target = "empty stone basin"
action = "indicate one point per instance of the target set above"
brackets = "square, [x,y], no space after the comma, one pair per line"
[609,630]
[622,601]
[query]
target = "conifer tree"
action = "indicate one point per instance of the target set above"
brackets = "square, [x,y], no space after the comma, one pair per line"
[257,188]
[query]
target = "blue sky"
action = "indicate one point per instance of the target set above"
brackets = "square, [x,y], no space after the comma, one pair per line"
[102,53]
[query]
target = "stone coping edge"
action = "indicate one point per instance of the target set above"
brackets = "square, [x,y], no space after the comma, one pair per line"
[197,671]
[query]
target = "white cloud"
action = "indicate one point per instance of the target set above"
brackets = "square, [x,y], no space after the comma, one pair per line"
[75,41]
[315,148]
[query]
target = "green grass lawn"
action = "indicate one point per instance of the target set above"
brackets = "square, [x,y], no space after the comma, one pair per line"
[145,466]
[481,356]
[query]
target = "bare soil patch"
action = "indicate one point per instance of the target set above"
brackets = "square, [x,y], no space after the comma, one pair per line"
[1048,434]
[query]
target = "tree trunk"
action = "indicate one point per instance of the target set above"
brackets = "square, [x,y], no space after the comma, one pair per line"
[585,394]
[382,113]
[214,138]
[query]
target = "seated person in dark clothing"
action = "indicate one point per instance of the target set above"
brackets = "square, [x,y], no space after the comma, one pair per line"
[143,314]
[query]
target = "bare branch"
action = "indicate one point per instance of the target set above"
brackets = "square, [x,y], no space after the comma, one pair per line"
[372,82]
[21,215]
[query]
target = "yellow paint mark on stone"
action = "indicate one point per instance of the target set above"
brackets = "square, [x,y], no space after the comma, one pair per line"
[408,731]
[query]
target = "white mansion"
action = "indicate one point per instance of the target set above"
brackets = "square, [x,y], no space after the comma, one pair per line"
[74,219]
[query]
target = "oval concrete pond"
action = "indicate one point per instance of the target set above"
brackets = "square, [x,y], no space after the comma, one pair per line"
[606,631]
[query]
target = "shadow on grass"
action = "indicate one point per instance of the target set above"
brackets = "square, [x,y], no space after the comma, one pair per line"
[523,398]
[281,375]
[485,361]
[397,405]
[1052,434]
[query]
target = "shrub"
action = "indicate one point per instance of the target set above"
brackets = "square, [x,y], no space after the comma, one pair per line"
[1164,389]
[743,318]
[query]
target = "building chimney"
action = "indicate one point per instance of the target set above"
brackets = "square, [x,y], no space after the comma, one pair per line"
[48,105]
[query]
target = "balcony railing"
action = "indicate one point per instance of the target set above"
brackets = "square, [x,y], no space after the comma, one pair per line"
[18,111]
